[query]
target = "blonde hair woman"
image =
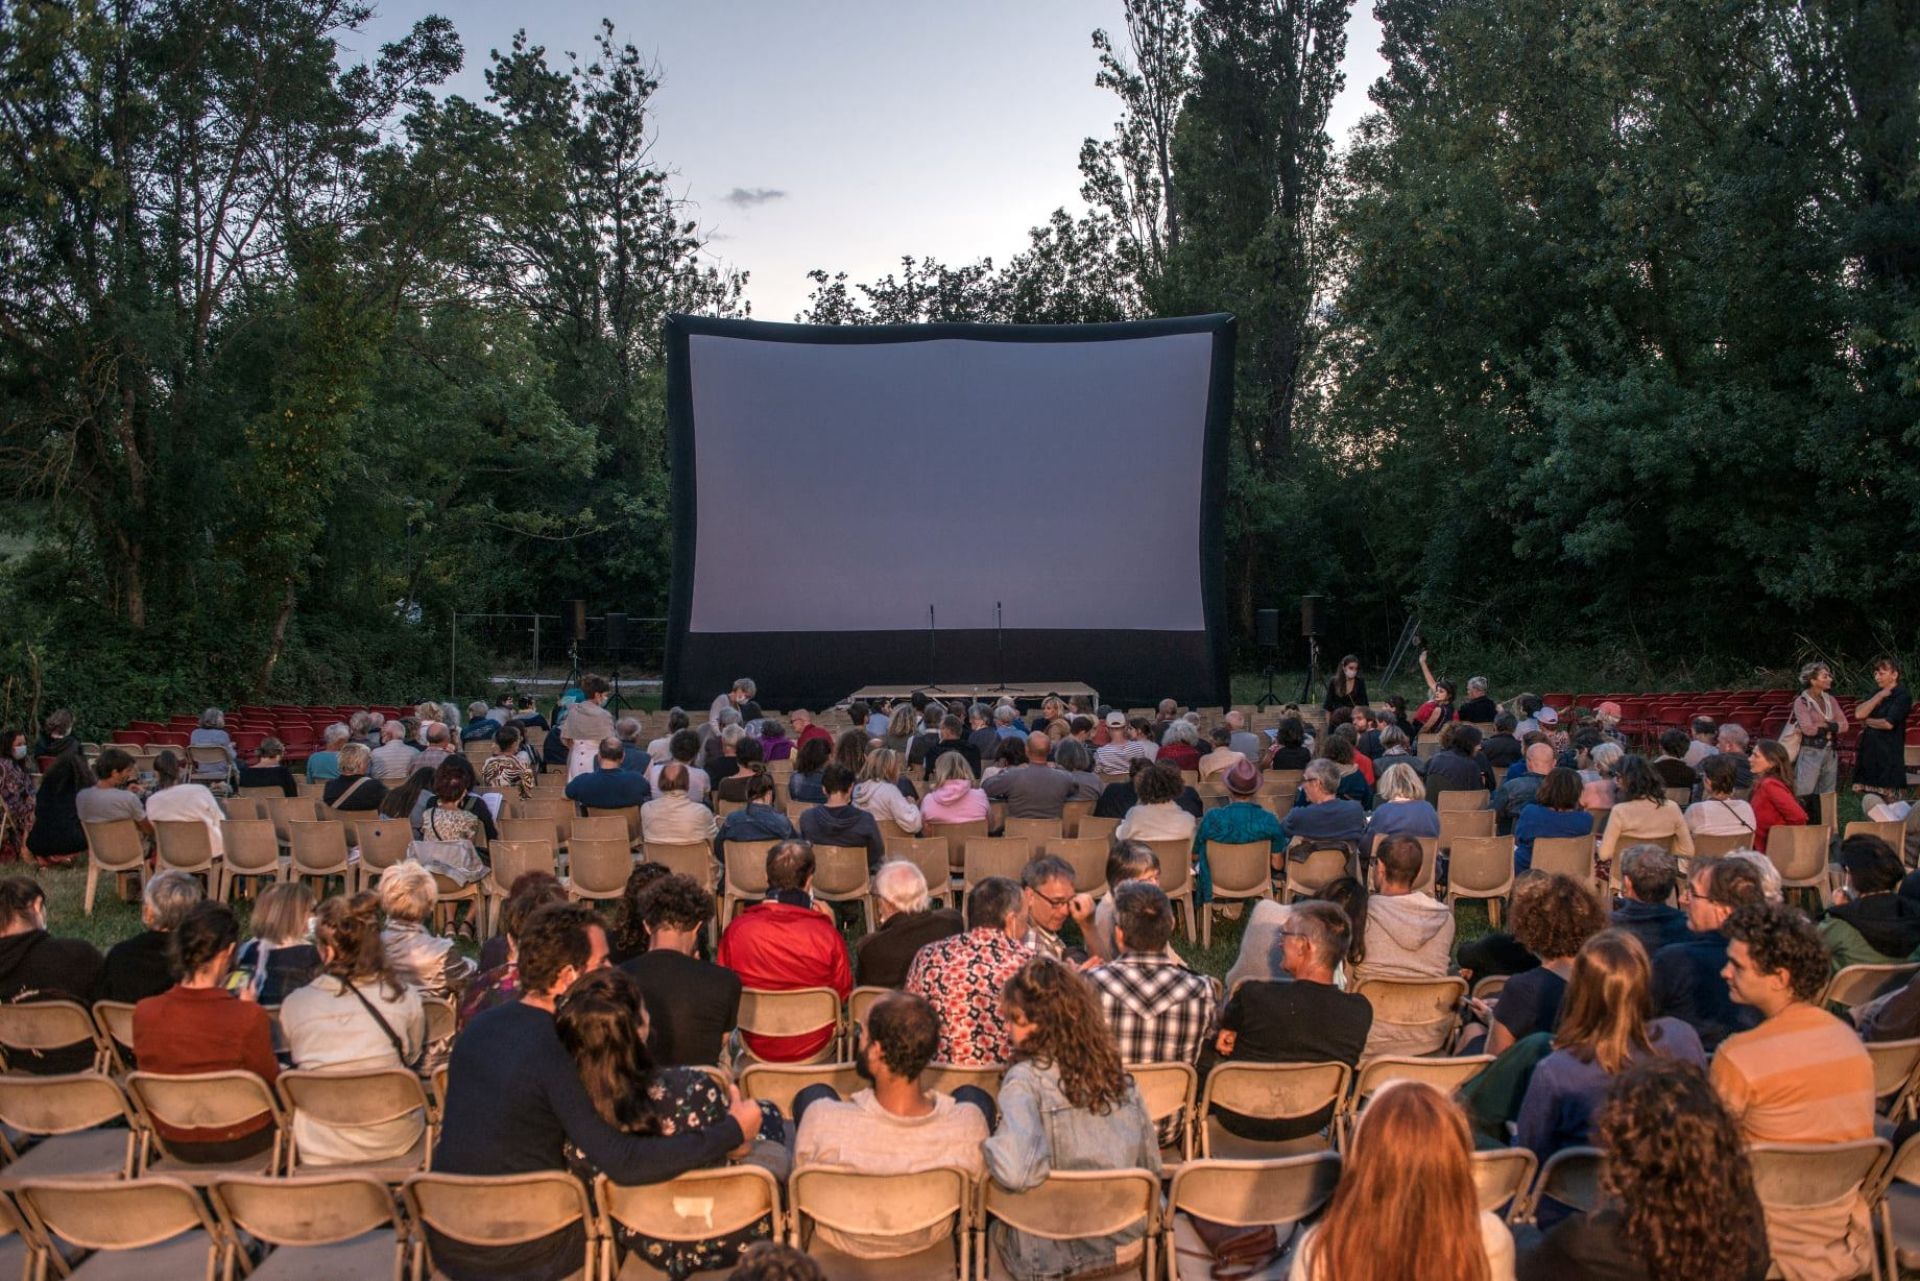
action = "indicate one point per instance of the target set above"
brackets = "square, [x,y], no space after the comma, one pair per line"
[278,957]
[1404,809]
[418,957]
[878,791]
[956,797]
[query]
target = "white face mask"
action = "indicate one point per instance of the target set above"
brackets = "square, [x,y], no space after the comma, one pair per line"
[19,751]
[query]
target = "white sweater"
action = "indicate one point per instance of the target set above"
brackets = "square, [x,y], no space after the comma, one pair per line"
[326,1027]
[885,800]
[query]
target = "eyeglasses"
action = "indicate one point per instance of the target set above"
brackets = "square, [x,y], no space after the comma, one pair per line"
[1050,900]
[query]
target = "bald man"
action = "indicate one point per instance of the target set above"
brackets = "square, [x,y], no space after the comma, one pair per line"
[1039,789]
[1517,792]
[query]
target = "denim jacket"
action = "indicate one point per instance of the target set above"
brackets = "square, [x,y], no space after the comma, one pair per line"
[1040,1131]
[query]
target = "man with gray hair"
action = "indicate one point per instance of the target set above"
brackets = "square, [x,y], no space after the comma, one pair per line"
[628,731]
[482,723]
[1478,709]
[1730,740]
[742,693]
[1242,739]
[1006,724]
[361,728]
[323,766]
[980,731]
[395,758]
[1650,875]
[138,967]
[1325,816]
[437,749]
[908,922]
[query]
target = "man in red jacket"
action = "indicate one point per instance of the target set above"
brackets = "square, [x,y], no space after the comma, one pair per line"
[784,944]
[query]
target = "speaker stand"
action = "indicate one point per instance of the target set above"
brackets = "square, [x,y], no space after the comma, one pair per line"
[1313,670]
[1268,699]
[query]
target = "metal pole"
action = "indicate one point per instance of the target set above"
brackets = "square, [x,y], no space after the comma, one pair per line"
[453,652]
[536,646]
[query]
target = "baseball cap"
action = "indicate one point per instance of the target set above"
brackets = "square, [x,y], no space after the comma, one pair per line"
[1609,709]
[1116,720]
[1547,716]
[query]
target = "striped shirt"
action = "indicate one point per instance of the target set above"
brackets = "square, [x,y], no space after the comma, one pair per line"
[1117,757]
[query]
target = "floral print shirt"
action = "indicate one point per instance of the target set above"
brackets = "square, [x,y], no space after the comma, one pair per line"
[962,977]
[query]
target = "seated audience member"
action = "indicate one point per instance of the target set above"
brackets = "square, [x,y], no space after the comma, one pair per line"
[514,1052]
[1007,754]
[962,976]
[482,723]
[1396,749]
[838,821]
[1404,809]
[323,766]
[508,768]
[174,800]
[1679,1190]
[395,758]
[1773,801]
[758,820]
[499,984]
[56,736]
[1156,814]
[749,766]
[438,743]
[877,791]
[1671,765]
[1458,766]
[1407,933]
[1337,748]
[1126,861]
[1050,900]
[658,750]
[1179,746]
[1478,708]
[1606,1025]
[1324,816]
[55,836]
[604,1025]
[1597,759]
[268,769]
[1157,1009]
[691,1004]
[1406,1205]
[1520,790]
[1305,1019]
[1689,981]
[1223,758]
[682,749]
[1037,789]
[356,1016]
[139,967]
[609,785]
[894,1126]
[851,749]
[908,922]
[1553,916]
[786,943]
[1730,741]
[1802,1076]
[1127,741]
[774,743]
[673,816]
[278,958]
[1503,747]
[199,1026]
[1243,740]
[212,732]
[36,966]
[1642,813]
[1554,812]
[720,754]
[451,812]
[1241,821]
[1719,812]
[628,730]
[109,798]
[1649,876]
[809,759]
[352,791]
[954,797]
[1869,924]
[1066,1103]
[953,741]
[407,896]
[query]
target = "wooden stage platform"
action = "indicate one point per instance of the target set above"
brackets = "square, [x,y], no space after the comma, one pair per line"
[1026,691]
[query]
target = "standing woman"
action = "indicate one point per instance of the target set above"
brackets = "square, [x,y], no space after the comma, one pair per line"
[1817,715]
[1406,1205]
[1347,688]
[1773,800]
[1881,765]
[16,796]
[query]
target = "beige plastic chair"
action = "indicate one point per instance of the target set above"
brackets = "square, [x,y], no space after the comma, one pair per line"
[1072,815]
[186,846]
[794,1013]
[884,1205]
[1456,824]
[1307,877]
[1793,1178]
[1571,1176]
[1571,855]
[324,1224]
[1419,1006]
[597,867]
[948,1077]
[32,1028]
[292,809]
[1176,877]
[1858,984]
[383,844]
[1501,1177]
[695,860]
[1897,1200]
[693,1207]
[1459,802]
[929,854]
[627,814]
[114,1022]
[1444,1074]
[499,1210]
[113,849]
[1706,845]
[442,1018]
[859,1002]
[993,856]
[1269,1092]
[1070,1205]
[1800,854]
[601,827]
[1088,858]
[1241,871]
[62,1113]
[1035,831]
[1896,1071]
[509,861]
[840,876]
[318,852]
[144,1229]
[1096,829]
[251,852]
[1281,1191]
[777,1083]
[205,1100]
[1481,867]
[1894,834]
[347,1100]
[746,875]
[956,835]
[20,1251]
[1168,1090]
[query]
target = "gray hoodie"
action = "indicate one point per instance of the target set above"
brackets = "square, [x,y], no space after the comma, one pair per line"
[1408,936]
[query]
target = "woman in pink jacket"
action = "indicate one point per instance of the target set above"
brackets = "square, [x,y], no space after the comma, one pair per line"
[955,797]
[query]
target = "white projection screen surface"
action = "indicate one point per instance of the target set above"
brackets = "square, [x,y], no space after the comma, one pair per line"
[958,505]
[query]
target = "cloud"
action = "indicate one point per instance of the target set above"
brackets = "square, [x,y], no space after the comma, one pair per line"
[748,197]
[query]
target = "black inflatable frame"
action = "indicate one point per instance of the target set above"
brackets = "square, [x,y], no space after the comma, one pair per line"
[815,669]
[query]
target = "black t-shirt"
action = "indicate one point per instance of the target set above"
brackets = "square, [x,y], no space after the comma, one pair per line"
[365,799]
[136,968]
[1530,1002]
[1495,953]
[39,967]
[1479,711]
[269,776]
[1675,772]
[960,745]
[1290,1022]
[691,1006]
[1289,758]
[1501,750]
[1594,1247]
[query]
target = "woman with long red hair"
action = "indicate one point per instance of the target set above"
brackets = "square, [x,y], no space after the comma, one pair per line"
[1406,1205]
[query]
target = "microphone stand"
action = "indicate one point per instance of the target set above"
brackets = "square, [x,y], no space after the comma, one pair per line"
[1000,650]
[933,654]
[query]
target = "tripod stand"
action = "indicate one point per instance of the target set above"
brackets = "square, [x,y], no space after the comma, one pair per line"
[1268,699]
[1313,669]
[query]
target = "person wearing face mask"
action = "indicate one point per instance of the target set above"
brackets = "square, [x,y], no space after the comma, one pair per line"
[586,723]
[16,796]
[1347,688]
